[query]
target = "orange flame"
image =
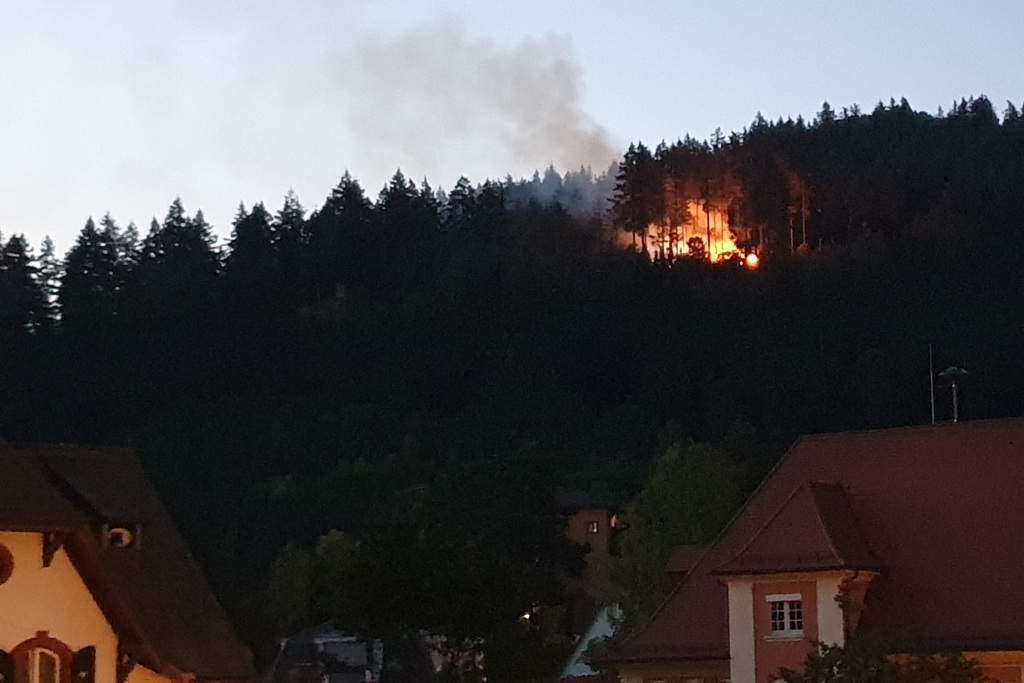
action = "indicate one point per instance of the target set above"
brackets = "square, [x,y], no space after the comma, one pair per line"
[704,232]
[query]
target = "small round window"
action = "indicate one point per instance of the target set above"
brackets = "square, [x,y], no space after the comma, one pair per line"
[120,537]
[6,564]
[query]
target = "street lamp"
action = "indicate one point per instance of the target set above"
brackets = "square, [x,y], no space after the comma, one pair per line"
[954,376]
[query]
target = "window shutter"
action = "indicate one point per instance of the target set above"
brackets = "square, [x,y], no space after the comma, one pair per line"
[6,667]
[83,666]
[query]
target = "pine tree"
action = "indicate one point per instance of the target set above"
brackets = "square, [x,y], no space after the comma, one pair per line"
[51,270]
[290,238]
[340,238]
[638,194]
[92,279]
[23,307]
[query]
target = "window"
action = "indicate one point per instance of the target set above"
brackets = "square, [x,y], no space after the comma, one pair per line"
[120,537]
[593,527]
[43,667]
[786,614]
[44,659]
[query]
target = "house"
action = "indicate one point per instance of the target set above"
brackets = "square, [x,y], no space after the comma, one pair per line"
[326,655]
[912,533]
[96,585]
[593,526]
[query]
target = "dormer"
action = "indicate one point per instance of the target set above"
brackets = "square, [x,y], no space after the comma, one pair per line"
[800,579]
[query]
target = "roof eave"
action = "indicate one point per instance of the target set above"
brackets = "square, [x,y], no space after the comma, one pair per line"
[659,659]
[738,572]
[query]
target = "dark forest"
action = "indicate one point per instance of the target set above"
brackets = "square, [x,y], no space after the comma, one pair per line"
[374,411]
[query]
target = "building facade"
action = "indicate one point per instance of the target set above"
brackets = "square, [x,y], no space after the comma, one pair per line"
[96,585]
[911,534]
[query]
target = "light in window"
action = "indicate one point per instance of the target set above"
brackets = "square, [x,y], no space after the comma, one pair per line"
[593,527]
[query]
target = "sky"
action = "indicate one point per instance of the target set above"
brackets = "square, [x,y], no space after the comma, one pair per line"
[116,106]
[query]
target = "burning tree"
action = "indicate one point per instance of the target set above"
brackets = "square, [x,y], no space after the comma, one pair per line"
[681,192]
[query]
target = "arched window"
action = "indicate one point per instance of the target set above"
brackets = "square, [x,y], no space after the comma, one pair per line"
[43,659]
[43,666]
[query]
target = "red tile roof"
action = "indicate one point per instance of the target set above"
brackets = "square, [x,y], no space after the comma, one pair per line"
[939,508]
[684,558]
[814,530]
[153,594]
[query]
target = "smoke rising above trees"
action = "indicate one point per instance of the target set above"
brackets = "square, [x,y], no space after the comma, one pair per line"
[437,98]
[336,361]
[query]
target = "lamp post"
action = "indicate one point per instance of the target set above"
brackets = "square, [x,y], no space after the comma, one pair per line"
[954,376]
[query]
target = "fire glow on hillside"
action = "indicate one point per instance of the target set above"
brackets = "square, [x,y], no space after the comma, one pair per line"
[700,233]
[697,232]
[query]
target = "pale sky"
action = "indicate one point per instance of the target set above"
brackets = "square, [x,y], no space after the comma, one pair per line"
[110,105]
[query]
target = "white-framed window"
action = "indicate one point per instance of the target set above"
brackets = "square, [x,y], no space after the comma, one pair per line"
[43,666]
[786,615]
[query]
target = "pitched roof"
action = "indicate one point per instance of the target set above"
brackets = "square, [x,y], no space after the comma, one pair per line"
[814,530]
[684,558]
[937,507]
[153,594]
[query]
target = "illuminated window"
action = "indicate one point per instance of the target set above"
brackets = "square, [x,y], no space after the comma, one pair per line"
[593,527]
[786,615]
[43,667]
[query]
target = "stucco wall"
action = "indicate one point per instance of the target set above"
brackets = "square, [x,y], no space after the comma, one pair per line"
[1006,666]
[595,574]
[140,674]
[772,653]
[52,599]
[741,631]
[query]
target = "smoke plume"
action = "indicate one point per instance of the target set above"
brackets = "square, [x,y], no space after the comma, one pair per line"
[432,99]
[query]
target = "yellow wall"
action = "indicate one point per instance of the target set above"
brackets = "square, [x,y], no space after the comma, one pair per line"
[1002,666]
[52,599]
[141,674]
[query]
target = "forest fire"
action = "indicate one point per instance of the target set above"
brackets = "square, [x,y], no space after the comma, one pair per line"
[700,234]
[688,200]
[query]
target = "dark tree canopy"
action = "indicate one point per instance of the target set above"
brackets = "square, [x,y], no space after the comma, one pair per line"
[424,374]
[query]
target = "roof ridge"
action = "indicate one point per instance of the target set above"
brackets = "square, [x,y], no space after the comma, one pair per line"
[875,523]
[771,518]
[708,551]
[812,487]
[874,431]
